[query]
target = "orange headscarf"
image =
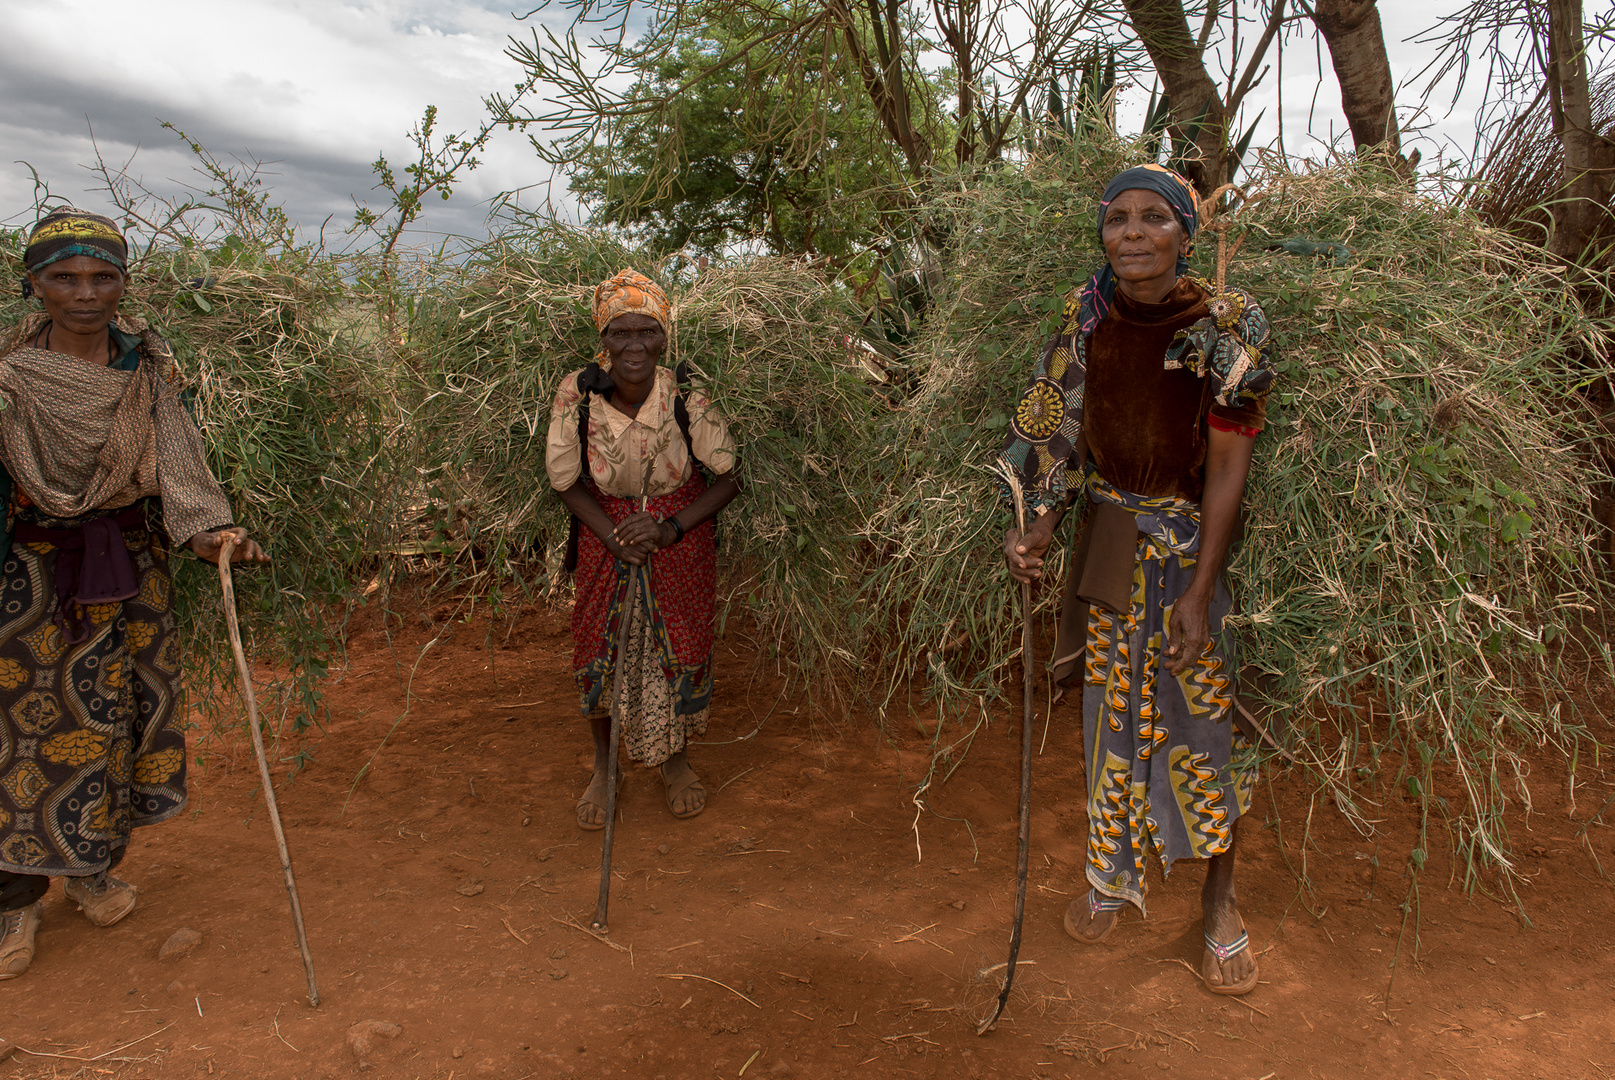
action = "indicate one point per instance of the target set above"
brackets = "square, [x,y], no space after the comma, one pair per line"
[629,293]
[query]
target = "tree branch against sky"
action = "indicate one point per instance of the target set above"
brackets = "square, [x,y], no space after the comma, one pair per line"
[1537,55]
[819,96]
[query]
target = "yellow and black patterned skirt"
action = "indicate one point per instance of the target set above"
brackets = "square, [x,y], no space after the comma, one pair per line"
[1168,772]
[90,745]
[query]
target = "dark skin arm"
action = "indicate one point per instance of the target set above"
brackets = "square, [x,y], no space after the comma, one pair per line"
[1228,462]
[640,535]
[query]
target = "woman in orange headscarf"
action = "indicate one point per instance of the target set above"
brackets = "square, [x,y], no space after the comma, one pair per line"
[623,446]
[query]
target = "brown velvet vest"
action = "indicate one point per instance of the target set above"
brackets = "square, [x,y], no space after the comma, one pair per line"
[1146,426]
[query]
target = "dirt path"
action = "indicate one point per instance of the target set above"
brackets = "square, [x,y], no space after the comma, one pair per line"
[791,931]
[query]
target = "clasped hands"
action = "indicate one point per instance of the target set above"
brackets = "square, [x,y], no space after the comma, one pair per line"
[638,536]
[207,545]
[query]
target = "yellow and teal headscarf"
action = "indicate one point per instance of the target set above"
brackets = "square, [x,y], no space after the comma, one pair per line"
[63,233]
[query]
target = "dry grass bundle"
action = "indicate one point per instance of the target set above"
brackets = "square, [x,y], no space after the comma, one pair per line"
[1420,570]
[768,338]
[1418,562]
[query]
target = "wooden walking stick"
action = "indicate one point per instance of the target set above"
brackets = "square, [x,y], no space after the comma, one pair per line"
[636,577]
[1029,702]
[225,551]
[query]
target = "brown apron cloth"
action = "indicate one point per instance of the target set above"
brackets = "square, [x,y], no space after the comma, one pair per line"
[1101,575]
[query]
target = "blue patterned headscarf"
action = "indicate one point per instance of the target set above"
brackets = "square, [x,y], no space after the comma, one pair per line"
[1179,194]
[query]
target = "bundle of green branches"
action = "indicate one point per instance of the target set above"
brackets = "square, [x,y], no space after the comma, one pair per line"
[767,338]
[1418,564]
[1017,241]
[295,410]
[1420,568]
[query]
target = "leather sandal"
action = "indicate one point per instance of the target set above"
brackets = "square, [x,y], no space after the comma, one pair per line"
[675,788]
[595,795]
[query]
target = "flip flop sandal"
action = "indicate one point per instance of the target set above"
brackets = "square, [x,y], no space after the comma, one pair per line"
[1227,952]
[672,793]
[1098,903]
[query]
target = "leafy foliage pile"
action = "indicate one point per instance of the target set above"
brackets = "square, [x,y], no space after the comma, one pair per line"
[1417,557]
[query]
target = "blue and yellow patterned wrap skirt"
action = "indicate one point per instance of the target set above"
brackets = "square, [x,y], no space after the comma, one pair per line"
[1168,772]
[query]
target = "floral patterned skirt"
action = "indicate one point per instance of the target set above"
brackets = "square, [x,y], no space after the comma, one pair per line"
[667,666]
[89,744]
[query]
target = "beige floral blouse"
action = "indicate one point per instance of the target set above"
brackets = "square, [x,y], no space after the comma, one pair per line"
[621,447]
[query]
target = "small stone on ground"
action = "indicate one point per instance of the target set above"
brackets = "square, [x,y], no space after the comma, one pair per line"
[362,1036]
[179,944]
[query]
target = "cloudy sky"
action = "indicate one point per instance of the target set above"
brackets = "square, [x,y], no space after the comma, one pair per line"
[317,88]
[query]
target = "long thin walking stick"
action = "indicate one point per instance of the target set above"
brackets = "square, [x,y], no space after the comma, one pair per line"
[1029,704]
[225,551]
[636,577]
[599,924]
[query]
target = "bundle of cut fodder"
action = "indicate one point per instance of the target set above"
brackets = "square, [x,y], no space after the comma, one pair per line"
[1417,570]
[291,393]
[770,341]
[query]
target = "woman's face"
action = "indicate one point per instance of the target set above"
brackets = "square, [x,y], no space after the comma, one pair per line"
[1143,238]
[80,293]
[635,343]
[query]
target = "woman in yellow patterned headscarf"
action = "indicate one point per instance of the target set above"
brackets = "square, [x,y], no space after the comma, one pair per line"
[624,441]
[102,473]
[629,293]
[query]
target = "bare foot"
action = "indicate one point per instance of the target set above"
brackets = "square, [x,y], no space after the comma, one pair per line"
[592,807]
[1087,925]
[686,797]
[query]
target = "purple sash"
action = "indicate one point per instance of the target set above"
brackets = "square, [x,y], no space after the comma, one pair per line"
[92,565]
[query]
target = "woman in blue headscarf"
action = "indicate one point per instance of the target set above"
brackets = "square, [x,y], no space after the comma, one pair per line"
[1145,406]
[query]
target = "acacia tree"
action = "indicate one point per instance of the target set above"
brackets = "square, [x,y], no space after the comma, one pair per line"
[1356,41]
[745,170]
[796,73]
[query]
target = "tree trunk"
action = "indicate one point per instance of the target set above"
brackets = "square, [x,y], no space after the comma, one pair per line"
[1164,29]
[1583,204]
[1357,48]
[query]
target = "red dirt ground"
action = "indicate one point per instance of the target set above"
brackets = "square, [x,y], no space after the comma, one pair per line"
[793,930]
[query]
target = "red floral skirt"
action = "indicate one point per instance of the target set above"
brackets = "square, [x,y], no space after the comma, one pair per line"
[676,611]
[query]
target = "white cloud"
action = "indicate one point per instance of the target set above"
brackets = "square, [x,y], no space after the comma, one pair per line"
[319,88]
